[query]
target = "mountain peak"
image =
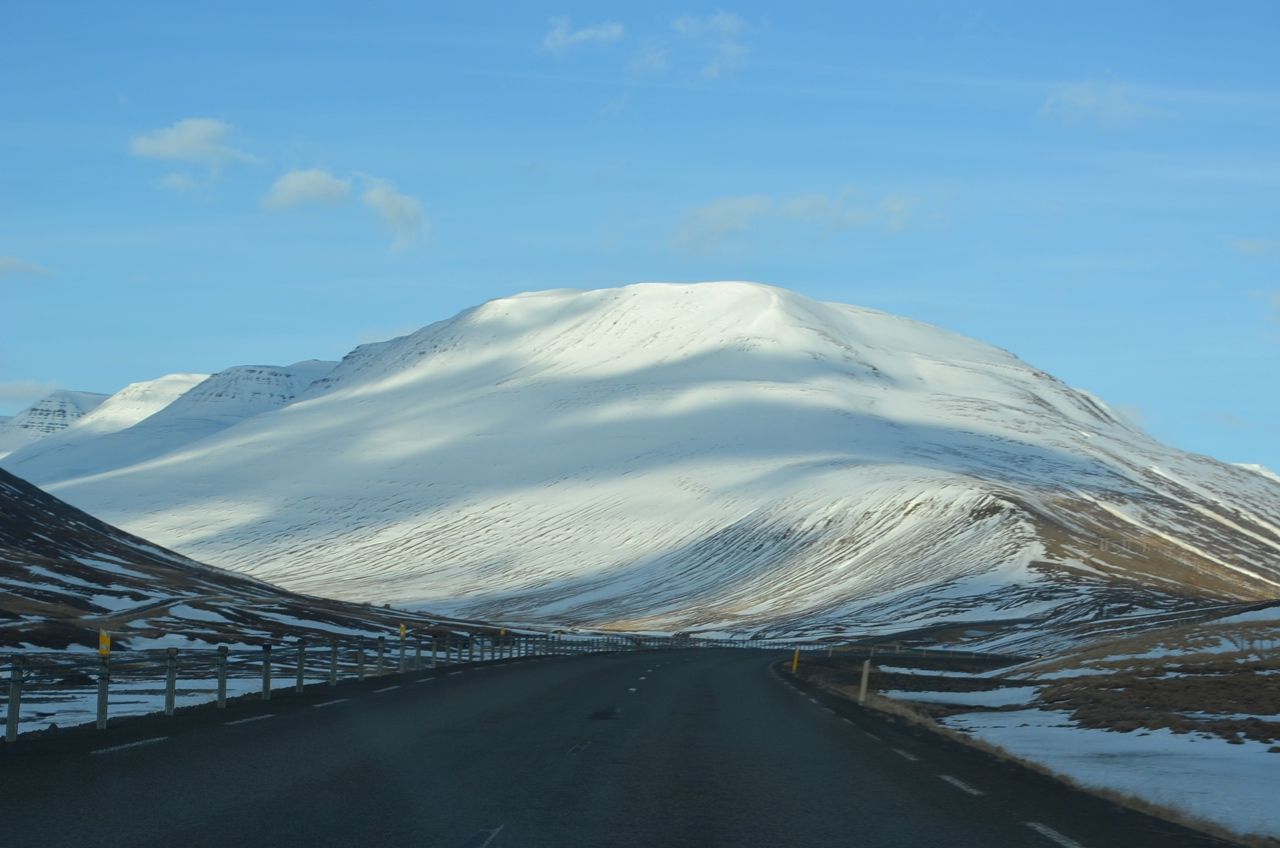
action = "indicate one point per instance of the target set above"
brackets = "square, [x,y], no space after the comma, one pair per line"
[674,456]
[53,413]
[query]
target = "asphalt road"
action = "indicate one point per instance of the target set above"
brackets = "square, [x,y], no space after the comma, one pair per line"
[678,748]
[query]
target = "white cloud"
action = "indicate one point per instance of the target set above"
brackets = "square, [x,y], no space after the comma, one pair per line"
[835,212]
[722,34]
[400,213]
[177,181]
[1255,246]
[1108,104]
[23,393]
[832,212]
[202,141]
[12,266]
[562,36]
[706,227]
[650,59]
[895,210]
[312,186]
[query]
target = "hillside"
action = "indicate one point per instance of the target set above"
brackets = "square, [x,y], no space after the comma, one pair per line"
[726,456]
[51,414]
[147,420]
[65,574]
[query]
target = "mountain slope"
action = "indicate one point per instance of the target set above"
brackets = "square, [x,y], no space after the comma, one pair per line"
[122,410]
[726,455]
[65,574]
[51,414]
[203,407]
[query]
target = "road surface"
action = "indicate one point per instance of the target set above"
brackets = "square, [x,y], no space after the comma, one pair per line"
[705,747]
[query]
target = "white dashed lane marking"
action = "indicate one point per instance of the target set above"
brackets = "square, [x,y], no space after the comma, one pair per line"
[331,703]
[960,784]
[249,719]
[906,755]
[1053,835]
[128,745]
[386,689]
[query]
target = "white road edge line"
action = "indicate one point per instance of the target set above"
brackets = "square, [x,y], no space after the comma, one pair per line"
[126,745]
[386,689]
[960,784]
[1053,835]
[493,834]
[331,703]
[906,755]
[249,719]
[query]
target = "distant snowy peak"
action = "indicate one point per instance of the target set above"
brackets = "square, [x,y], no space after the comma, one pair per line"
[242,392]
[198,408]
[704,326]
[136,402]
[56,411]
[673,335]
[51,414]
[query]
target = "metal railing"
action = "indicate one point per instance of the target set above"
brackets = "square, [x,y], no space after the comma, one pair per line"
[52,689]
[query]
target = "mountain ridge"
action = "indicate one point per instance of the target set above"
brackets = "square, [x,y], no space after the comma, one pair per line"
[719,455]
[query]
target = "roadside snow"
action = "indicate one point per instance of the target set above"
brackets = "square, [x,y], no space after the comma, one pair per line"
[1234,786]
[1006,697]
[924,672]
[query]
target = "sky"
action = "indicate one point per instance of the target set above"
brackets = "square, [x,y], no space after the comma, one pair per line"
[1093,186]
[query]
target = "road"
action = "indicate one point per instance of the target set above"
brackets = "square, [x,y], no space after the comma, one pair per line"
[702,747]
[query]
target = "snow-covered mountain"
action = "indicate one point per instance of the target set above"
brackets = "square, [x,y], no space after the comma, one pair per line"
[65,574]
[120,411]
[134,403]
[52,414]
[726,455]
[180,409]
[1260,469]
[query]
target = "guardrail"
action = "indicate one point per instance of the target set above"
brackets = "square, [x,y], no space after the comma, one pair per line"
[49,689]
[60,688]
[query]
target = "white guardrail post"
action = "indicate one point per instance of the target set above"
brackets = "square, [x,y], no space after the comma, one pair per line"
[299,683]
[15,699]
[222,677]
[266,672]
[170,680]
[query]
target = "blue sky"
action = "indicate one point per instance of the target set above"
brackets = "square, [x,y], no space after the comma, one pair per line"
[1095,187]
